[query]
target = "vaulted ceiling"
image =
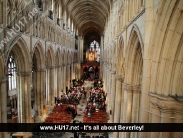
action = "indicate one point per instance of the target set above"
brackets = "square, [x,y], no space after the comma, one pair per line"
[90,16]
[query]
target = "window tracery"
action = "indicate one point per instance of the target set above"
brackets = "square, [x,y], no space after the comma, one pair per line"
[11,73]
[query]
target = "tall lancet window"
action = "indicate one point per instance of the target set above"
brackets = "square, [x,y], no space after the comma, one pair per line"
[94,47]
[11,73]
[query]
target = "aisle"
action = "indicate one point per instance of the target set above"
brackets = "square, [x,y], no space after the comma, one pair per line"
[80,108]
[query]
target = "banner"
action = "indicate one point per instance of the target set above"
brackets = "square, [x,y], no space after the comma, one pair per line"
[92,127]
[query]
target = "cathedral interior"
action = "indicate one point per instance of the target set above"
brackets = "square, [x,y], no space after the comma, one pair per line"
[134,46]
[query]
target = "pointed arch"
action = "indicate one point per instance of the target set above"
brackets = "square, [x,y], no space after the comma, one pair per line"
[38,52]
[58,57]
[50,57]
[134,59]
[64,56]
[166,46]
[21,54]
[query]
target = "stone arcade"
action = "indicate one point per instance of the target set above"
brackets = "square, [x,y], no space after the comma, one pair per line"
[44,42]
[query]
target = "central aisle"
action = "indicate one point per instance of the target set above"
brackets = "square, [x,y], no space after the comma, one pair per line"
[80,107]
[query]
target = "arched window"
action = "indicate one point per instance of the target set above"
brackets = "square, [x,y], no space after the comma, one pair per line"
[94,46]
[11,73]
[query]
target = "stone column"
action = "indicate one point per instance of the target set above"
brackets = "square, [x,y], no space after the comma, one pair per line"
[127,107]
[113,90]
[155,114]
[24,97]
[73,71]
[81,50]
[51,86]
[101,56]
[170,111]
[64,78]
[38,93]
[118,102]
[59,77]
[107,88]
[47,85]
[135,107]
[146,77]
[43,93]
[3,104]
[68,71]
[110,89]
[40,89]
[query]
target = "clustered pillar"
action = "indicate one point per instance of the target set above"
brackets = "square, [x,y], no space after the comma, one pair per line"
[164,109]
[59,78]
[51,86]
[40,100]
[3,102]
[130,107]
[24,97]
[118,98]
[113,91]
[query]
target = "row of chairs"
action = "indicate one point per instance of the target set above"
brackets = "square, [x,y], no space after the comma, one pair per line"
[59,115]
[96,117]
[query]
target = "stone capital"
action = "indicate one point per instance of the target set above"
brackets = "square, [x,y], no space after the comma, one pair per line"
[119,77]
[40,70]
[3,79]
[51,67]
[131,88]
[28,73]
[166,103]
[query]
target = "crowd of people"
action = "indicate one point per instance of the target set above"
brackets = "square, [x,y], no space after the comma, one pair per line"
[72,96]
[95,101]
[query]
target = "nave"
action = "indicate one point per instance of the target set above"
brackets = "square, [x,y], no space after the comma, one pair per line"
[134,46]
[60,114]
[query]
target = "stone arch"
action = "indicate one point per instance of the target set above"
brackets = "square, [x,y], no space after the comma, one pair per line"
[69,57]
[22,58]
[50,57]
[58,57]
[135,29]
[66,56]
[38,78]
[167,49]
[62,57]
[21,54]
[38,52]
[134,60]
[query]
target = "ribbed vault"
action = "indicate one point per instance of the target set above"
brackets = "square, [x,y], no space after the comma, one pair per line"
[89,16]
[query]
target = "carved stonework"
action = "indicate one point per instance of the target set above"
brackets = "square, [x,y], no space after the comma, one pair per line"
[131,88]
[119,77]
[166,103]
[154,101]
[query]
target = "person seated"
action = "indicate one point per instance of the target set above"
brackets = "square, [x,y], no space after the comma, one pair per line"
[97,106]
[89,114]
[59,106]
